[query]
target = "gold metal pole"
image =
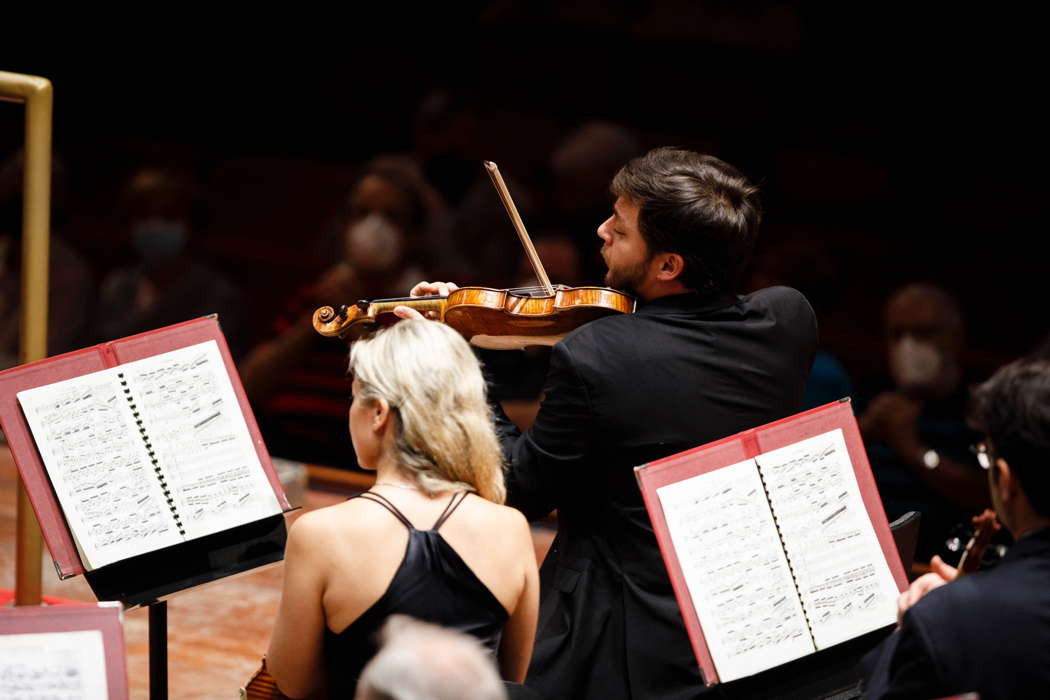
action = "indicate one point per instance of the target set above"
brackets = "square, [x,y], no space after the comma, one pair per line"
[37,94]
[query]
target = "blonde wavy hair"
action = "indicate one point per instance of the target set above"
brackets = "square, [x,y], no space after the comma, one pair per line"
[427,374]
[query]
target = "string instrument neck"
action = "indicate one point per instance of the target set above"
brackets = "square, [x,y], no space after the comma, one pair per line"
[985,525]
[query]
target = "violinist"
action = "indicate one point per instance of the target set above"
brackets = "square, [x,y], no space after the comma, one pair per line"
[988,632]
[693,363]
[430,539]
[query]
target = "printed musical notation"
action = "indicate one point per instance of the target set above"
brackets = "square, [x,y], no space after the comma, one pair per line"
[149,453]
[844,582]
[99,467]
[735,570]
[53,666]
[201,441]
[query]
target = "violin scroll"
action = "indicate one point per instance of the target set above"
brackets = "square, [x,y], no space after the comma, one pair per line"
[351,322]
[331,323]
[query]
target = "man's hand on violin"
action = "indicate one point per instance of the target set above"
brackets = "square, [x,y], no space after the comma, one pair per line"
[425,289]
[940,574]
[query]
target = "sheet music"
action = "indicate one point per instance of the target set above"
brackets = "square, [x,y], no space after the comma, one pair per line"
[845,584]
[98,465]
[202,443]
[735,570]
[53,666]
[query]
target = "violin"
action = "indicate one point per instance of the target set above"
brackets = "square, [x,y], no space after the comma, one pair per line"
[985,525]
[262,686]
[498,319]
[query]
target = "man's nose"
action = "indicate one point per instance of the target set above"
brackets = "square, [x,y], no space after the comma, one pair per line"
[603,230]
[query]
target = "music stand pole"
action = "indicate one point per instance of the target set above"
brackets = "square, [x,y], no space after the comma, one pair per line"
[158,650]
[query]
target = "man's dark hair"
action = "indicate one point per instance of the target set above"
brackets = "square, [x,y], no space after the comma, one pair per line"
[1013,410]
[697,206]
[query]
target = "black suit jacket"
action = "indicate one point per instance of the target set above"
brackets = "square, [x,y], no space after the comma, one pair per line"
[623,391]
[988,632]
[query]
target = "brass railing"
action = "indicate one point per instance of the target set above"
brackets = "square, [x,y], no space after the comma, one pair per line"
[37,95]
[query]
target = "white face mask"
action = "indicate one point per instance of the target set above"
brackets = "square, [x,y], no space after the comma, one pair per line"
[915,363]
[374,243]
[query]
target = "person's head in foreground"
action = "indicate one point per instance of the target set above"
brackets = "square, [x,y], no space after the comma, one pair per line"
[420,661]
[419,411]
[1013,411]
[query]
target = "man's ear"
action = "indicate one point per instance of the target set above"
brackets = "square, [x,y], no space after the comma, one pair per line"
[671,266]
[1003,480]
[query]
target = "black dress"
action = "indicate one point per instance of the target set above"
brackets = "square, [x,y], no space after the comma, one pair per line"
[432,584]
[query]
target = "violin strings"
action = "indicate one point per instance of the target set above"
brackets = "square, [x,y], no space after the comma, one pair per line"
[533,290]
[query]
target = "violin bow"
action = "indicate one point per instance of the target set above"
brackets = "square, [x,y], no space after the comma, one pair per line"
[519,226]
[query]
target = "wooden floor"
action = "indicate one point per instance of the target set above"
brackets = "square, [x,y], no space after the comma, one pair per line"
[216,634]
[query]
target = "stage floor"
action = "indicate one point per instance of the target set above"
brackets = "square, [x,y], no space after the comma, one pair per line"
[216,634]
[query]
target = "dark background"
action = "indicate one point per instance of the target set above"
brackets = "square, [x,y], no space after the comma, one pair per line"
[904,146]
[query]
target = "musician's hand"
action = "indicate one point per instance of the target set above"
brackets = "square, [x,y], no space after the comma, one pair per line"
[408,313]
[425,289]
[430,289]
[940,574]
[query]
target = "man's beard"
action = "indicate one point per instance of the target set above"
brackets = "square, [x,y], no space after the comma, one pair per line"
[628,279]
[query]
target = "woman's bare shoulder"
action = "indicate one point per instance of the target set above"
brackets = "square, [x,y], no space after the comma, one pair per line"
[349,520]
[509,520]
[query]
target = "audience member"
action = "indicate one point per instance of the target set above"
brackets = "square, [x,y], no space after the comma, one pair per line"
[295,379]
[429,539]
[166,284]
[71,281]
[813,271]
[916,432]
[444,136]
[419,661]
[989,631]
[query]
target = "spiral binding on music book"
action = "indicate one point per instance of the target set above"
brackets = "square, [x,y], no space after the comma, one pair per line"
[787,557]
[152,455]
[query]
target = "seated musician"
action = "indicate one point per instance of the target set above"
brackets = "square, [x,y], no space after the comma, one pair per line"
[988,632]
[429,539]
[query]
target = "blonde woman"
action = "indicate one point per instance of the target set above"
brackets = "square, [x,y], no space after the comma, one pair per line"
[430,539]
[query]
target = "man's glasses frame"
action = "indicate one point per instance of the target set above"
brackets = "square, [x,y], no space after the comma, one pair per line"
[984,455]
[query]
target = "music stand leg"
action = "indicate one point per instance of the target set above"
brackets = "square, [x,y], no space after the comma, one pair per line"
[158,651]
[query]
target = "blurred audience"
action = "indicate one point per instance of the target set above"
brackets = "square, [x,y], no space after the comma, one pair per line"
[296,379]
[71,281]
[812,270]
[582,166]
[166,284]
[420,661]
[444,136]
[916,432]
[479,243]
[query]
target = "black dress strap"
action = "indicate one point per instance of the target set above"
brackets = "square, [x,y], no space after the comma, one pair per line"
[385,502]
[450,509]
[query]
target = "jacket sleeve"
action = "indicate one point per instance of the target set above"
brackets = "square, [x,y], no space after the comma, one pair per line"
[904,668]
[557,445]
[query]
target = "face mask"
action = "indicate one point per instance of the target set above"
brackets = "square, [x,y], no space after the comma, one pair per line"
[914,363]
[374,243]
[159,240]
